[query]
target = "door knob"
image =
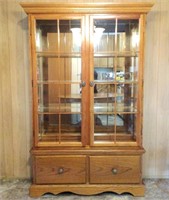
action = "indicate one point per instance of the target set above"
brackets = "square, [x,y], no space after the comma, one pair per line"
[83,84]
[92,83]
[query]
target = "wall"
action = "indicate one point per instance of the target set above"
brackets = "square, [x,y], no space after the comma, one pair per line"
[156,100]
[15,90]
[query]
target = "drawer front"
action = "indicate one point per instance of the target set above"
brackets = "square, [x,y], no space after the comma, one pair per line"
[56,169]
[115,169]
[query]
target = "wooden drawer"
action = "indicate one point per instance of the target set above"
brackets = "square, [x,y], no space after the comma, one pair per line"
[115,169]
[56,169]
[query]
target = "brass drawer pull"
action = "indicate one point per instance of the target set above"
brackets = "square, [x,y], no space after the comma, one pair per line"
[114,171]
[60,170]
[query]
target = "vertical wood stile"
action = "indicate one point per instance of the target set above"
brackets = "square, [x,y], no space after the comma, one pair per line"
[85,77]
[59,86]
[115,86]
[34,80]
[91,75]
[140,80]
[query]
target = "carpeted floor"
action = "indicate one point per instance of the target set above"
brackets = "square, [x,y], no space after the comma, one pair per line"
[156,189]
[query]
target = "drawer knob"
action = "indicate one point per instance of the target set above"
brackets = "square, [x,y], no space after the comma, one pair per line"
[114,171]
[60,170]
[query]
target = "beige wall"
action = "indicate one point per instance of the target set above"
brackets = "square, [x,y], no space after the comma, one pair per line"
[15,90]
[156,96]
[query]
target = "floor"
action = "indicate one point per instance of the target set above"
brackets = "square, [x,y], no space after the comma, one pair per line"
[156,189]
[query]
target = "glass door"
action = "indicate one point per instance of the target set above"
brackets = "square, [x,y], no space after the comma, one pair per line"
[58,75]
[115,79]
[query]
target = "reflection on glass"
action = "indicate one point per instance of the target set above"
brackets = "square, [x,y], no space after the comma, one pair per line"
[127,124]
[116,62]
[102,64]
[59,98]
[77,39]
[114,128]
[70,35]
[105,120]
[103,107]
[103,91]
[46,35]
[127,69]
[107,39]
[58,46]
[104,35]
[104,98]
[48,98]
[104,127]
[48,127]
[127,34]
[59,69]
[126,98]
[60,128]
[70,123]
[58,35]
[70,128]
[104,73]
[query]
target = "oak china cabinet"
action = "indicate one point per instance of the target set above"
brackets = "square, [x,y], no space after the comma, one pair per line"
[87,84]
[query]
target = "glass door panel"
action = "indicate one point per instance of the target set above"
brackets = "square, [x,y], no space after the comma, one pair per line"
[59,72]
[104,127]
[70,35]
[104,35]
[70,127]
[48,98]
[70,98]
[103,72]
[127,35]
[59,128]
[104,98]
[48,127]
[61,99]
[126,127]
[127,68]
[116,63]
[58,35]
[126,97]
[46,35]
[59,68]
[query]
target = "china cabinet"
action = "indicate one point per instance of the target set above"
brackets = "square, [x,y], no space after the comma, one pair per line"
[87,85]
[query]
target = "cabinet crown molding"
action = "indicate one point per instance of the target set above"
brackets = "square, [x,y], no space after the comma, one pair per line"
[94,8]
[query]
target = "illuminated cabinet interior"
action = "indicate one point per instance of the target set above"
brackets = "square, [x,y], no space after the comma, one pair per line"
[87,88]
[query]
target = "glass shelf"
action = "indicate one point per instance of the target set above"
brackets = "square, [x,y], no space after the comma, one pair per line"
[116,54]
[115,82]
[48,82]
[111,108]
[57,54]
[61,108]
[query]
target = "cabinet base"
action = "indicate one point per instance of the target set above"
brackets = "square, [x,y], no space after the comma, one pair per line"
[134,189]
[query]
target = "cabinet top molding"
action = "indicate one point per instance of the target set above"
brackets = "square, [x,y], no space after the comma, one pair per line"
[79,8]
